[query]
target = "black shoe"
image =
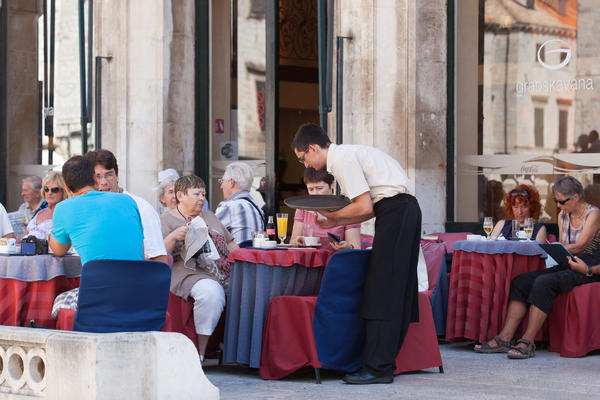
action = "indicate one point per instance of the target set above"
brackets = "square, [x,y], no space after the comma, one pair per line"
[364,377]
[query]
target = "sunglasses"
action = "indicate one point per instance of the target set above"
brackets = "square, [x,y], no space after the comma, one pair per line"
[52,189]
[522,192]
[562,202]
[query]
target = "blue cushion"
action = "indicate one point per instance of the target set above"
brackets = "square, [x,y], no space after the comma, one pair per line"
[122,296]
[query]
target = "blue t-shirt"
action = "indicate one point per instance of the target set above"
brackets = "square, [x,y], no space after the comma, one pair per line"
[100,225]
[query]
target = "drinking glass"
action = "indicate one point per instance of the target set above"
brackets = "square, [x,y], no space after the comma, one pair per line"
[488,226]
[528,227]
[282,220]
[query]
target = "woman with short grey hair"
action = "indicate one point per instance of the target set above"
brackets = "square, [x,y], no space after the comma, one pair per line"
[165,188]
[578,221]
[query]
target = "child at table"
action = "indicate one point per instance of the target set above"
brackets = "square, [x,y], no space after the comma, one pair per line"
[321,182]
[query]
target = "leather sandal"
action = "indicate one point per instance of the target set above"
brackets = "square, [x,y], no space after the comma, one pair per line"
[502,347]
[523,352]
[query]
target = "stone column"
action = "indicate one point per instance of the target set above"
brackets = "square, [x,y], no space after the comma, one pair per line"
[22,105]
[147,88]
[394,96]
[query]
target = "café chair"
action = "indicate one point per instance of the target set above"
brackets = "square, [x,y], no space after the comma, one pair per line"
[122,296]
[437,274]
[574,328]
[326,331]
[448,238]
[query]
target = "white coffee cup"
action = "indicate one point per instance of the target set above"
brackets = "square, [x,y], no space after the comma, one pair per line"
[269,244]
[311,240]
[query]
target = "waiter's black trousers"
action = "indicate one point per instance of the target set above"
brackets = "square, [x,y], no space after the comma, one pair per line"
[390,298]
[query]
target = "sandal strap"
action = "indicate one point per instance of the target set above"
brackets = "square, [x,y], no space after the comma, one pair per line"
[501,343]
[530,346]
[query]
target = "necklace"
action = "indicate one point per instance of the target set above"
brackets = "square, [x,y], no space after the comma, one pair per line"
[186,219]
[582,213]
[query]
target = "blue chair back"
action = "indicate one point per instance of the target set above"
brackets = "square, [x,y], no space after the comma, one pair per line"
[122,296]
[339,330]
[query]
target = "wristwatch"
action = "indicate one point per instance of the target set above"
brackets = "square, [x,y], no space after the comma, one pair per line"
[589,273]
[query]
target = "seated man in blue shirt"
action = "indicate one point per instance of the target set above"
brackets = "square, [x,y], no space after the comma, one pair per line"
[99,225]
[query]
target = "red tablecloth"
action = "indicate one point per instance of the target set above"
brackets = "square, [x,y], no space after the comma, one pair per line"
[22,301]
[282,258]
[479,289]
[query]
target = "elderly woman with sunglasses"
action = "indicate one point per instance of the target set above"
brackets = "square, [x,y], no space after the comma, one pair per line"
[53,191]
[533,293]
[520,203]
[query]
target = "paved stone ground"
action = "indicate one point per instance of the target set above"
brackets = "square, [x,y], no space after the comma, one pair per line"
[467,376]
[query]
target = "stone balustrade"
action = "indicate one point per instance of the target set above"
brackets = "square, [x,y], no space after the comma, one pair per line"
[43,363]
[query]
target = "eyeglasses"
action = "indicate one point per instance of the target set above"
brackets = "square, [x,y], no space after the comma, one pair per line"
[52,189]
[221,180]
[109,176]
[301,159]
[522,192]
[562,202]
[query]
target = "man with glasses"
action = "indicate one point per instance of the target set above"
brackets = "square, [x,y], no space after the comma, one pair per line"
[106,175]
[378,187]
[239,213]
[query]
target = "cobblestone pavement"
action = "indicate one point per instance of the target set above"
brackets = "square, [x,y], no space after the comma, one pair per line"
[467,376]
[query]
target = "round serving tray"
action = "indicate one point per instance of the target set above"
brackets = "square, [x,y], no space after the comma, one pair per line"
[327,202]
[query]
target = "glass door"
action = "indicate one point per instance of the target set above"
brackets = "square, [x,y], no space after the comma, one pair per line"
[243,126]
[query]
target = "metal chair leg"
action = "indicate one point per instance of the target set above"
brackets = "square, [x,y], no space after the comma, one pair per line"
[441,368]
[318,375]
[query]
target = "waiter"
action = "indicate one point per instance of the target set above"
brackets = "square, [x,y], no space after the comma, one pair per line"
[378,187]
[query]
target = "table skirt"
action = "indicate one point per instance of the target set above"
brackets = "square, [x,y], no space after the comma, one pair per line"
[251,288]
[479,289]
[22,302]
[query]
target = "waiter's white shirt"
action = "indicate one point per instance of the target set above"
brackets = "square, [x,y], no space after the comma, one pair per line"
[360,169]
[154,245]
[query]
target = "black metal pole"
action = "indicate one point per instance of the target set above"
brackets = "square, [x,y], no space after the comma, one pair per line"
[89,55]
[50,110]
[97,103]
[329,55]
[322,63]
[82,82]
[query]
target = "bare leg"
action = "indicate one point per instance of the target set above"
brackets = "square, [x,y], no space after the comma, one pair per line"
[202,342]
[536,320]
[515,314]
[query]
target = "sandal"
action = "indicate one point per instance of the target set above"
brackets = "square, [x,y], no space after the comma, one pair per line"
[502,347]
[523,352]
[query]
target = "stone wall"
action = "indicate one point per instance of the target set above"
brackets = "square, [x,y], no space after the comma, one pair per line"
[395,90]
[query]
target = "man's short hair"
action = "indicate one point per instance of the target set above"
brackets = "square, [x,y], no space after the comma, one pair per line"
[186,183]
[78,172]
[312,175]
[35,182]
[103,157]
[241,173]
[309,134]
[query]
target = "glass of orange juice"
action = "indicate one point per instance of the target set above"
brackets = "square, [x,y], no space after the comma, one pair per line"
[282,220]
